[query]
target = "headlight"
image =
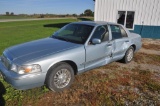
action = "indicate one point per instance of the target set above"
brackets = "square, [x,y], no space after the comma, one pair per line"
[26,69]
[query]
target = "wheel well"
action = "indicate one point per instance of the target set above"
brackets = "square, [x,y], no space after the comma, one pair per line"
[73,65]
[134,46]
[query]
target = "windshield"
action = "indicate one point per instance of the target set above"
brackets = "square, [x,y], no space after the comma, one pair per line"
[76,33]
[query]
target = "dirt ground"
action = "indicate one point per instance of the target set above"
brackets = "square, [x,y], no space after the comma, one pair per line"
[150,47]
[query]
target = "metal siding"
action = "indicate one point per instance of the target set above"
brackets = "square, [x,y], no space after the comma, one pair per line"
[154,17]
[134,4]
[123,4]
[95,11]
[147,11]
[101,8]
[137,13]
[127,4]
[147,31]
[114,13]
[153,12]
[139,10]
[111,11]
[158,13]
[143,12]
[107,10]
[104,9]
[118,4]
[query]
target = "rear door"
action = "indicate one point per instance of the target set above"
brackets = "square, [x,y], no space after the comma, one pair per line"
[120,41]
[99,54]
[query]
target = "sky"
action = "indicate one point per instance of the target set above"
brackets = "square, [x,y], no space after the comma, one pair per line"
[45,6]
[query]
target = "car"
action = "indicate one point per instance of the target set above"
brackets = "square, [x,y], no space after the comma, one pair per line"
[75,48]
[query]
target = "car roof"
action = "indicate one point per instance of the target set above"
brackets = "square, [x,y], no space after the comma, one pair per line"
[93,23]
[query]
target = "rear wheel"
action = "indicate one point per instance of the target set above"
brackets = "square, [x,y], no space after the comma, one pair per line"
[60,77]
[128,55]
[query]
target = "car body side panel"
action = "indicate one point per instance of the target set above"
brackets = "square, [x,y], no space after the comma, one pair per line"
[76,55]
[120,48]
[121,45]
[29,81]
[136,40]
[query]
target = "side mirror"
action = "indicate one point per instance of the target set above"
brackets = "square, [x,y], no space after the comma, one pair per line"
[96,41]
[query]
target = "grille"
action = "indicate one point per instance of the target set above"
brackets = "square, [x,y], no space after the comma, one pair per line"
[5,62]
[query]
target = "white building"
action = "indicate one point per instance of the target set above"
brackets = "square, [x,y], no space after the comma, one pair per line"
[139,16]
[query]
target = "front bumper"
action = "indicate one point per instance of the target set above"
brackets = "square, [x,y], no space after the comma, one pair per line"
[22,82]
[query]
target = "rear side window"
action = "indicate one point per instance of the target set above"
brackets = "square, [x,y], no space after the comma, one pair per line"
[118,32]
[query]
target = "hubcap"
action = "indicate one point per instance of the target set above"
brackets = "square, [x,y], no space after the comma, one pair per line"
[62,78]
[130,55]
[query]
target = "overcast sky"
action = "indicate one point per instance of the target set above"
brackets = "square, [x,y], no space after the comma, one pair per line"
[45,6]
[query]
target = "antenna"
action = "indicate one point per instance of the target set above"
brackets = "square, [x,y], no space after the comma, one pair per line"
[141,28]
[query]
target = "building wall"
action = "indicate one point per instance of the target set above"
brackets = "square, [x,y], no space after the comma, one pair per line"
[147,14]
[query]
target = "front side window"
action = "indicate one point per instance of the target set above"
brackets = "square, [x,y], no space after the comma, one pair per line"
[126,18]
[76,33]
[101,33]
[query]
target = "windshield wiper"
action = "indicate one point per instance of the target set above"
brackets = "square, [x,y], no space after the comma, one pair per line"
[54,37]
[64,39]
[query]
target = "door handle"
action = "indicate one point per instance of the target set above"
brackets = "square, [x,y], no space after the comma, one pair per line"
[127,41]
[109,44]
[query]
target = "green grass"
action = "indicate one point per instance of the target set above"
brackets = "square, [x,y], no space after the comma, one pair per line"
[12,33]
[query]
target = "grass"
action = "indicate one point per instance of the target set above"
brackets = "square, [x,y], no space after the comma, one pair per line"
[105,86]
[151,46]
[151,59]
[12,33]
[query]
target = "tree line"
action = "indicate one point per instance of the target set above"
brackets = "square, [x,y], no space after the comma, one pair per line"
[7,13]
[87,12]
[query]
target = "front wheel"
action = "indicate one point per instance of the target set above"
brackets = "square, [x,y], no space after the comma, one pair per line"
[60,77]
[128,55]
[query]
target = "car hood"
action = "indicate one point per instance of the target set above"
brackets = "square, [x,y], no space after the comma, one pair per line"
[39,48]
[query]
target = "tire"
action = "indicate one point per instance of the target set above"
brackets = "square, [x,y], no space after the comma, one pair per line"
[128,55]
[60,77]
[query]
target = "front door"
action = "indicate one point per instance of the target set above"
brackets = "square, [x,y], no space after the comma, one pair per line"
[98,54]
